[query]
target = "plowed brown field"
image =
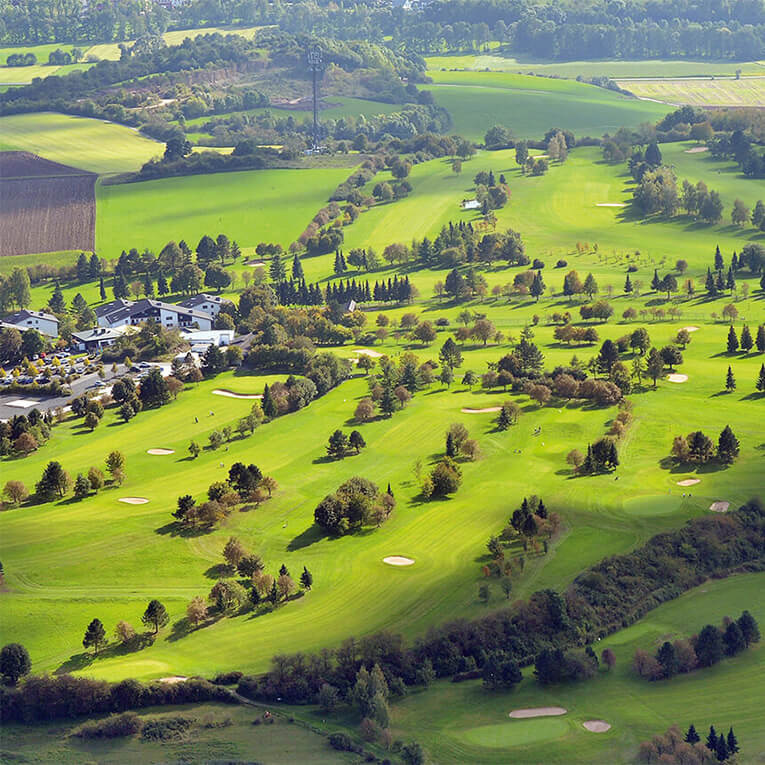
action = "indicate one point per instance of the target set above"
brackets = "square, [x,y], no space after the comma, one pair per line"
[44,206]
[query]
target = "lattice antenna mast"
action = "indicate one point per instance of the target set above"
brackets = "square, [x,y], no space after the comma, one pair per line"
[315,65]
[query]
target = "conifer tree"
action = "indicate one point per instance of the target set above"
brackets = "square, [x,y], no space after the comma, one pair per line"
[711,742]
[692,737]
[732,340]
[730,381]
[306,579]
[746,339]
[760,385]
[732,742]
[628,284]
[268,404]
[760,341]
[719,264]
[655,282]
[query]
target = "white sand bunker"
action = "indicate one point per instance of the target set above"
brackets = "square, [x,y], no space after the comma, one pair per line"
[255,263]
[398,560]
[133,500]
[610,204]
[691,329]
[596,726]
[231,394]
[522,714]
[697,150]
[719,507]
[173,679]
[676,378]
[368,352]
[689,482]
[468,410]
[160,452]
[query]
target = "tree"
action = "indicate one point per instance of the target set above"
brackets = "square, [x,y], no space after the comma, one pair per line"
[722,748]
[155,615]
[733,639]
[760,384]
[95,635]
[746,339]
[356,441]
[537,288]
[15,492]
[727,446]
[709,646]
[732,340]
[730,381]
[692,737]
[54,481]
[446,477]
[338,444]
[732,742]
[124,631]
[154,390]
[590,286]
[14,663]
[91,421]
[194,449]
[668,659]
[196,611]
[671,356]
[500,671]
[608,658]
[749,628]
[760,341]
[450,355]
[115,464]
[81,487]
[653,155]
[306,579]
[234,551]
[711,742]
[508,415]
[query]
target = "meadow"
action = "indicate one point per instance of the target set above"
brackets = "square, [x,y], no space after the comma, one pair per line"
[532,105]
[725,91]
[89,144]
[613,68]
[249,206]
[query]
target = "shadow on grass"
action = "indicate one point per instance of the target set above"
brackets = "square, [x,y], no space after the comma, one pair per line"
[306,538]
[219,571]
[80,661]
[175,529]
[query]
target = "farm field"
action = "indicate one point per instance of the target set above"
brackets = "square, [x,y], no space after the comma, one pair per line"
[532,105]
[613,68]
[249,206]
[220,731]
[88,144]
[44,206]
[747,91]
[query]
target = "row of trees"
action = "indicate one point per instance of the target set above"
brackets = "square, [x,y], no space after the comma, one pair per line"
[155,616]
[55,482]
[672,746]
[356,503]
[697,448]
[705,649]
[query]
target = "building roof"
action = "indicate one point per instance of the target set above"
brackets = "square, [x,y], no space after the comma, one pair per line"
[111,307]
[15,318]
[203,297]
[99,333]
[122,309]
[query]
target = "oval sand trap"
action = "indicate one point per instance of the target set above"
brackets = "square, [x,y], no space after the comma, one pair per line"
[676,378]
[691,329]
[231,394]
[522,714]
[133,500]
[719,507]
[610,204]
[368,352]
[696,150]
[689,482]
[160,452]
[468,410]
[596,726]
[173,679]
[398,560]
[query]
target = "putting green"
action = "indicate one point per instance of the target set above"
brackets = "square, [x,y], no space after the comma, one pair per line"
[656,504]
[515,732]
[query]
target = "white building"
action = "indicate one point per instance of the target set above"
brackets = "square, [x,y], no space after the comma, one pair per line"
[210,304]
[119,313]
[44,323]
[219,337]
[95,339]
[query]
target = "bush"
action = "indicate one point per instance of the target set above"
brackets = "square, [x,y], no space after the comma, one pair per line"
[341,741]
[116,726]
[167,728]
[227,678]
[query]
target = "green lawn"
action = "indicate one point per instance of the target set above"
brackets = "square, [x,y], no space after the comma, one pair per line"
[250,207]
[90,144]
[728,91]
[530,106]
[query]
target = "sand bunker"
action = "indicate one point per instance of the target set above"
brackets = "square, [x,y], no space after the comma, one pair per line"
[596,726]
[697,150]
[676,378]
[173,679]
[521,714]
[689,482]
[368,352]
[691,329]
[467,410]
[255,263]
[160,452]
[398,560]
[231,394]
[133,500]
[610,204]
[719,507]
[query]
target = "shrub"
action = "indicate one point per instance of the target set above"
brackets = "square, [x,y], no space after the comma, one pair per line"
[116,726]
[169,728]
[341,741]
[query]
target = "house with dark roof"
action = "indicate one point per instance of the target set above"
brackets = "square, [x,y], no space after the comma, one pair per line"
[209,304]
[44,323]
[119,313]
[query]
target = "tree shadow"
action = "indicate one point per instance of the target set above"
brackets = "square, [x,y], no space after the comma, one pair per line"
[75,663]
[176,529]
[219,571]
[306,538]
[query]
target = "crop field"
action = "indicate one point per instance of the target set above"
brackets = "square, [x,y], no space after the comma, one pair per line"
[613,68]
[249,206]
[747,91]
[44,206]
[530,106]
[88,144]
